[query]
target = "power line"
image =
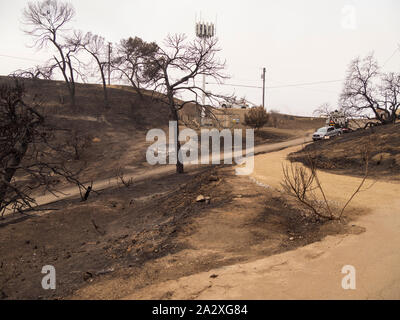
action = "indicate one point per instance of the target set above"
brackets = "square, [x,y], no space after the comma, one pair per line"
[280,86]
[235,85]
[297,84]
[20,58]
[306,84]
[394,52]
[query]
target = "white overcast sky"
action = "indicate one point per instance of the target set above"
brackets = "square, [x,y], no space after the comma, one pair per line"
[297,41]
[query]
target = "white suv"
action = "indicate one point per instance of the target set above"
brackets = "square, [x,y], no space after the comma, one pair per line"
[326,133]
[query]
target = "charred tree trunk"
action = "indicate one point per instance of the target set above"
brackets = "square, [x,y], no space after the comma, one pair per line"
[137,89]
[71,82]
[179,164]
[103,79]
[106,104]
[72,96]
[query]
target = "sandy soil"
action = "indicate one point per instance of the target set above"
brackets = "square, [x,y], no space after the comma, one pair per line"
[128,238]
[312,271]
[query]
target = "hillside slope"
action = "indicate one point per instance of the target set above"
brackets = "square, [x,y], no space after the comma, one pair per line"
[125,104]
[345,152]
[117,136]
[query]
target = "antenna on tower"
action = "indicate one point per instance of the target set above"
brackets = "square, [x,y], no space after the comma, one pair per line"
[204,31]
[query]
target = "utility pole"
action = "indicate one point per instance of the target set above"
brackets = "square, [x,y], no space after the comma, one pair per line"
[263,94]
[109,63]
[204,91]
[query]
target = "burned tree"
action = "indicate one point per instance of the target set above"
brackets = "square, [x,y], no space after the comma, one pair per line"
[172,71]
[390,90]
[29,159]
[324,110]
[45,22]
[130,61]
[96,47]
[37,72]
[363,97]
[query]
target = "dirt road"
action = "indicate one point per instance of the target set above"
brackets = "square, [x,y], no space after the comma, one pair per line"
[156,171]
[313,271]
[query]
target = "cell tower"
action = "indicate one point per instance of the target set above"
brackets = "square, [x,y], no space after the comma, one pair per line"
[204,30]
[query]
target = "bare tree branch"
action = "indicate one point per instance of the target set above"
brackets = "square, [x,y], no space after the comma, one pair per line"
[362,96]
[171,73]
[96,47]
[304,185]
[45,21]
[29,160]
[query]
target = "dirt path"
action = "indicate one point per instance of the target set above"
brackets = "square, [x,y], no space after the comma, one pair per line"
[313,271]
[151,172]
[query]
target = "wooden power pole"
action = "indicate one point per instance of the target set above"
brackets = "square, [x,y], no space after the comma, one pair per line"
[109,63]
[263,94]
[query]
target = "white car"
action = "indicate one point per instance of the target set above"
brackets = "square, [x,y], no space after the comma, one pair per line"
[326,133]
